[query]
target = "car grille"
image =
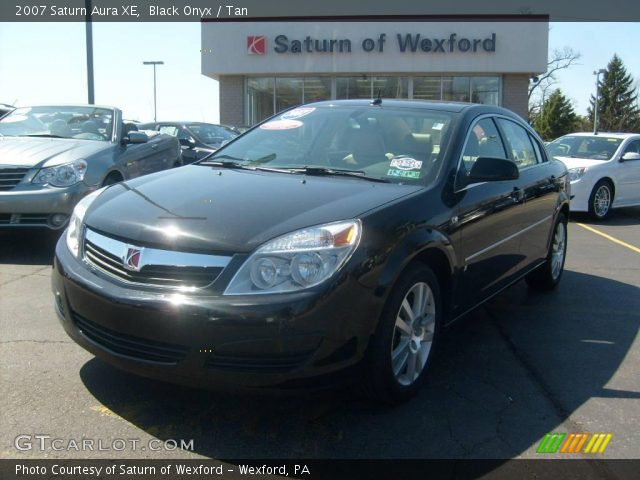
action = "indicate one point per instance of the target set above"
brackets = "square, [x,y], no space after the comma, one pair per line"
[129,346]
[102,256]
[262,363]
[10,177]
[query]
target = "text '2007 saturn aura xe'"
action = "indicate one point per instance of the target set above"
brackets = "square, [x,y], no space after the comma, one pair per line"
[334,237]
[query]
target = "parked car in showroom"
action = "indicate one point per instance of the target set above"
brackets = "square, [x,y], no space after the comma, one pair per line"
[196,138]
[52,156]
[337,236]
[604,169]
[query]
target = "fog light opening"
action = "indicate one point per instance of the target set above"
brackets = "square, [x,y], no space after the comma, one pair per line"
[58,219]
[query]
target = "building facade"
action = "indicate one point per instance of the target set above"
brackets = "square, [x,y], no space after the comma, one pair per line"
[265,67]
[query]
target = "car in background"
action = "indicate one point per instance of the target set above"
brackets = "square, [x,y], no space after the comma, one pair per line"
[340,235]
[604,170]
[4,109]
[196,138]
[52,156]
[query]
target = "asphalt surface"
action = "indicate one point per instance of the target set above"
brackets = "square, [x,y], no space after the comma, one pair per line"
[523,365]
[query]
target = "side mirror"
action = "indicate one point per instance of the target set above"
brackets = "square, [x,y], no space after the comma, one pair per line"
[187,142]
[627,157]
[136,137]
[490,169]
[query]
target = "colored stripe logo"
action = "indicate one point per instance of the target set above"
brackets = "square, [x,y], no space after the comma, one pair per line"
[574,443]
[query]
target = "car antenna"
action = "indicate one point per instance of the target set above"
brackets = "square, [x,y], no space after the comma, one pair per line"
[378,100]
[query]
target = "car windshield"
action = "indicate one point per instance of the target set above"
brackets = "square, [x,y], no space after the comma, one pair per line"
[399,145]
[594,147]
[208,133]
[82,123]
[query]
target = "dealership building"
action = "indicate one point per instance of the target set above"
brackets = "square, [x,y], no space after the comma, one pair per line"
[264,67]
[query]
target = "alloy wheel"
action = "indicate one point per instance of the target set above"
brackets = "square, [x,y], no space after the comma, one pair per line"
[602,201]
[558,249]
[413,333]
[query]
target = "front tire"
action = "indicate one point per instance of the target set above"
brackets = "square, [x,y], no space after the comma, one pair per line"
[548,275]
[400,351]
[601,199]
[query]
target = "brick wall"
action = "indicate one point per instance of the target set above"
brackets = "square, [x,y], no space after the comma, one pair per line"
[514,93]
[232,99]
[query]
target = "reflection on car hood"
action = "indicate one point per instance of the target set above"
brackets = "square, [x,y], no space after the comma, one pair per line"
[38,151]
[571,162]
[200,208]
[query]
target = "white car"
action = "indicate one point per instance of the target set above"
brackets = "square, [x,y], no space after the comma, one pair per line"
[604,170]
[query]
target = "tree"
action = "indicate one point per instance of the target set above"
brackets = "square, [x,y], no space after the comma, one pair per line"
[556,117]
[618,100]
[540,85]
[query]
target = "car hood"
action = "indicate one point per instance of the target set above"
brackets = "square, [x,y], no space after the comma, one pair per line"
[572,162]
[40,152]
[198,208]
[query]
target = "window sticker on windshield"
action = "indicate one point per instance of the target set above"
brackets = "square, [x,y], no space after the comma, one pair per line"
[406,163]
[612,139]
[437,126]
[281,125]
[403,173]
[297,113]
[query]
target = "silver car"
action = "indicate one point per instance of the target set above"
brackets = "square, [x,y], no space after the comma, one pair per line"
[52,156]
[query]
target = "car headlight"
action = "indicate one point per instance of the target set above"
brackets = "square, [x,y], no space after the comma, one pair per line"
[576,173]
[74,230]
[297,260]
[62,175]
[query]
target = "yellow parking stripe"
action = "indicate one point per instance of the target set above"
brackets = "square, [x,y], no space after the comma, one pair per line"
[605,443]
[609,237]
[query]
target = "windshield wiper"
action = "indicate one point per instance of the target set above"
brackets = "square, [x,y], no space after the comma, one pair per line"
[320,171]
[232,163]
[46,135]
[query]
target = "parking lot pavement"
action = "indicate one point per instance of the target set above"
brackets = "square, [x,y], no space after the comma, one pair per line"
[524,365]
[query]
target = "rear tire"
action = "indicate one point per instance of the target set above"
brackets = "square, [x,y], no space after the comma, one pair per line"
[601,199]
[401,349]
[547,276]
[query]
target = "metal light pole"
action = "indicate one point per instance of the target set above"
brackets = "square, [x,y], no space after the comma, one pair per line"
[155,104]
[89,40]
[595,111]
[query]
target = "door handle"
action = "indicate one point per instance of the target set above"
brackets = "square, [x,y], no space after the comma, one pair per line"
[154,146]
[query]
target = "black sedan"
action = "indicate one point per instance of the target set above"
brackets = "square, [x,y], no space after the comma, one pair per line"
[196,138]
[337,236]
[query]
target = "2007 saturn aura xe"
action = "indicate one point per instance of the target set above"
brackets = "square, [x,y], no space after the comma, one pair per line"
[334,235]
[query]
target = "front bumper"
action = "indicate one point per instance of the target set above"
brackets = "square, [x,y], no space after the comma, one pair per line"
[214,341]
[580,193]
[36,206]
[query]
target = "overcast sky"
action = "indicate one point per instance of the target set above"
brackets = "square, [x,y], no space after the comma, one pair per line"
[46,63]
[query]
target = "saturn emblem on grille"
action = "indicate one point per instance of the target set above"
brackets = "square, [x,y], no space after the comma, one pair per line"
[131,259]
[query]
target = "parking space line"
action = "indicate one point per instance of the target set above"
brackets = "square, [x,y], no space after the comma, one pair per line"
[609,237]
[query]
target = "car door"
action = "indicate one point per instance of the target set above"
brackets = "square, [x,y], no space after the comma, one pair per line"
[628,176]
[130,157]
[487,219]
[538,187]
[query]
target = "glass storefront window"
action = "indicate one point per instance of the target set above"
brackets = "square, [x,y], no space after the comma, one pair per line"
[266,93]
[427,88]
[288,92]
[456,89]
[390,87]
[259,99]
[353,87]
[316,89]
[485,90]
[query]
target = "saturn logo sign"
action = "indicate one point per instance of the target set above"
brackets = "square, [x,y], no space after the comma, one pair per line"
[132,259]
[256,45]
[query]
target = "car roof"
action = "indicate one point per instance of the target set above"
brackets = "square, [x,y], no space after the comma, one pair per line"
[608,134]
[406,103]
[68,105]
